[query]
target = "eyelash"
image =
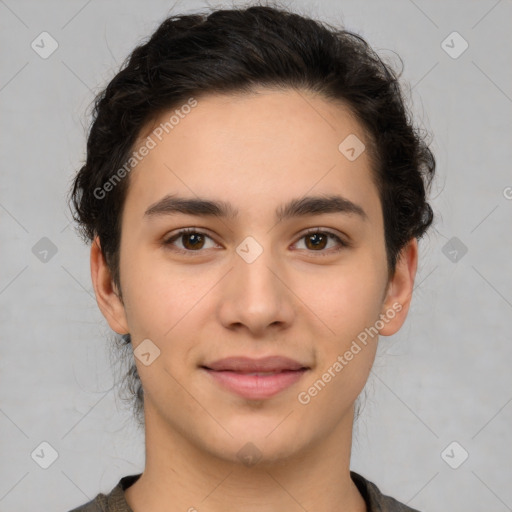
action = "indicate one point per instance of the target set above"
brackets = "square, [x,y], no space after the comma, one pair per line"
[186,231]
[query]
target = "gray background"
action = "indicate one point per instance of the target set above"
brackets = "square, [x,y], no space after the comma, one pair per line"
[444,377]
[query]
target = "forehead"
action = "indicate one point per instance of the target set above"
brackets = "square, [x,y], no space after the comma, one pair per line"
[254,147]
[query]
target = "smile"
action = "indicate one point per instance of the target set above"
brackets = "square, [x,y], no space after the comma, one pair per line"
[255,386]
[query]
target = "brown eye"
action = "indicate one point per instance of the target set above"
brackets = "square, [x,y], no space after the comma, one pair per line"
[191,241]
[317,241]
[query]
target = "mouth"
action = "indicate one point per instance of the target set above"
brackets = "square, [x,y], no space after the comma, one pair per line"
[255,379]
[243,364]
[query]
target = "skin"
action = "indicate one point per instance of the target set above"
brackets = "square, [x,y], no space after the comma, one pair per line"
[256,151]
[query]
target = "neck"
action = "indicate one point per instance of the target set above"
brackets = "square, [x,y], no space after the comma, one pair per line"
[179,476]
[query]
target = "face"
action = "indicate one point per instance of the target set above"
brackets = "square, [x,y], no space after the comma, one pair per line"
[291,262]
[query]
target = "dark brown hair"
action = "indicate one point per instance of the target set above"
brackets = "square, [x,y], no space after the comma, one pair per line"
[235,51]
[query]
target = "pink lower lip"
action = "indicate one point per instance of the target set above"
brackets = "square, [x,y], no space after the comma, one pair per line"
[256,387]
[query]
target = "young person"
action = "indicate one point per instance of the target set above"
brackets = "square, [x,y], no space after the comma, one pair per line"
[254,192]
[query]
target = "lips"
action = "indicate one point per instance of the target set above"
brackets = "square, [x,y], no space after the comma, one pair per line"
[255,379]
[246,365]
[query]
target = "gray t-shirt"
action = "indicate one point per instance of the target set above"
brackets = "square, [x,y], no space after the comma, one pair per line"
[115,500]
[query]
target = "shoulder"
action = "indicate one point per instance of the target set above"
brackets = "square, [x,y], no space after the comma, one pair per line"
[98,504]
[376,501]
[114,501]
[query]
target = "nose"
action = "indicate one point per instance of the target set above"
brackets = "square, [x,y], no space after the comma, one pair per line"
[256,297]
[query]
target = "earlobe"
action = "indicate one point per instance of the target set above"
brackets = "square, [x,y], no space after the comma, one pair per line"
[399,294]
[107,297]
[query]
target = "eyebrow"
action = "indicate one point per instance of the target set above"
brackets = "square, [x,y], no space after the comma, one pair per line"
[301,207]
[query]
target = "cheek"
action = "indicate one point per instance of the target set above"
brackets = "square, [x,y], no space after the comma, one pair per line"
[162,297]
[349,305]
[346,299]
[341,299]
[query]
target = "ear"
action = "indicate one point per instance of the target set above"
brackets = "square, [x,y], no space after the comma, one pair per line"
[399,293]
[107,295]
